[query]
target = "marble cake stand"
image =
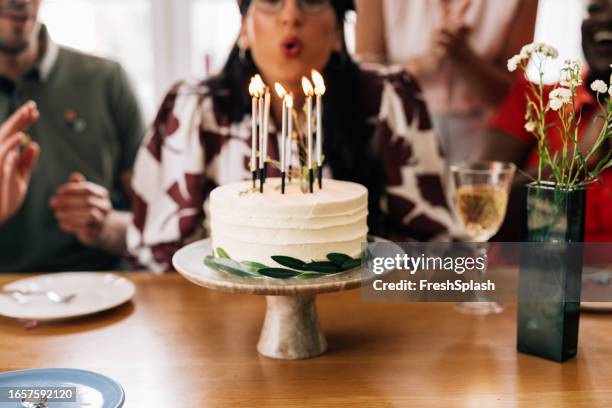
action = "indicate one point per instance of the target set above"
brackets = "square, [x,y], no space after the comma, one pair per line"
[291,328]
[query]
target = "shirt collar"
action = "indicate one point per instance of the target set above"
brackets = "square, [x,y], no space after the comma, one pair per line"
[49,58]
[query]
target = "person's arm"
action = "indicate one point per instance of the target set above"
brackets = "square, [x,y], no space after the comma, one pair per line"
[84,208]
[114,231]
[15,165]
[417,205]
[491,80]
[168,182]
[370,32]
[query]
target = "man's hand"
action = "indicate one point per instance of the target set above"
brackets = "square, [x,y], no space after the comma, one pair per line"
[16,164]
[81,208]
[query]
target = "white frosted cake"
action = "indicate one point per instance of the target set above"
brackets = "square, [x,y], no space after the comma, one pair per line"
[251,226]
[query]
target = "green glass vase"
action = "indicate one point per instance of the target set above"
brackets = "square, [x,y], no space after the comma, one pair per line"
[551,271]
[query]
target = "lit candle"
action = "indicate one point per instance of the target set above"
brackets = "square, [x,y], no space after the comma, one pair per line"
[289,104]
[319,91]
[260,90]
[266,131]
[309,92]
[254,95]
[280,91]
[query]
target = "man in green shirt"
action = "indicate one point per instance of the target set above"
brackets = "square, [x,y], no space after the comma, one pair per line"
[89,130]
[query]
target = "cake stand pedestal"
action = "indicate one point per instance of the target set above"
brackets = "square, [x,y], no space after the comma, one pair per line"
[291,327]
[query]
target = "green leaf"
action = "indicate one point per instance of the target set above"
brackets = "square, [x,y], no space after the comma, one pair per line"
[323,267]
[289,262]
[602,163]
[306,276]
[253,267]
[352,264]
[338,259]
[370,239]
[222,254]
[225,265]
[279,273]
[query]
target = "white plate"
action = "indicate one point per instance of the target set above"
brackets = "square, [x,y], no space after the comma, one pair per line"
[596,283]
[95,292]
[596,306]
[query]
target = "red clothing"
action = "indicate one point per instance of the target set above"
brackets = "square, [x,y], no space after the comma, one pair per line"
[510,119]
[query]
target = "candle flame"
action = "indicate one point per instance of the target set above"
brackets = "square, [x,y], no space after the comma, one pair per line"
[257,86]
[280,91]
[307,86]
[253,88]
[289,101]
[319,83]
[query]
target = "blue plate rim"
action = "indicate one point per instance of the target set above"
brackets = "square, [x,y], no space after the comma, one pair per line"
[121,401]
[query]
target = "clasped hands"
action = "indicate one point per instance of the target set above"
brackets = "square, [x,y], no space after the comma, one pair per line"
[448,41]
[81,208]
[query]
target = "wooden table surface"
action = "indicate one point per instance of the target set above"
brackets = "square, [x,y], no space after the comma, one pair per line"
[179,345]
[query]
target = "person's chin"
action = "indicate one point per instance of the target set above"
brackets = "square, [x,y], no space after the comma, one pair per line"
[13,46]
[293,71]
[599,58]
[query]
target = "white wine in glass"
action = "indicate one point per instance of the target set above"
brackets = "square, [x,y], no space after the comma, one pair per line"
[482,209]
[481,200]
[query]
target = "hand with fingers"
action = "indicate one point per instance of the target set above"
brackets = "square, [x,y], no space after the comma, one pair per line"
[81,208]
[16,163]
[450,39]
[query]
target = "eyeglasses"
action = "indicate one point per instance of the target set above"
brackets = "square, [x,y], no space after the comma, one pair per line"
[311,7]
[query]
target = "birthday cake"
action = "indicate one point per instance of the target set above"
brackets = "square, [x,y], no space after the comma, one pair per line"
[254,227]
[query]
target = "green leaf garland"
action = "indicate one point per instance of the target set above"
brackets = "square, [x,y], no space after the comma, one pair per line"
[291,267]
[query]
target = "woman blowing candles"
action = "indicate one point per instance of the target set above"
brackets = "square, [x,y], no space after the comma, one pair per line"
[377,133]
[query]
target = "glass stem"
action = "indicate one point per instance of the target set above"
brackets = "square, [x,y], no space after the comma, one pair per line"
[481,252]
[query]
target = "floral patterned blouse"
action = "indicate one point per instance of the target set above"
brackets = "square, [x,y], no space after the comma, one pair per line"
[192,147]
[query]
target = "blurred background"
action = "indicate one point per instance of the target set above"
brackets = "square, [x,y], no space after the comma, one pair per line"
[160,41]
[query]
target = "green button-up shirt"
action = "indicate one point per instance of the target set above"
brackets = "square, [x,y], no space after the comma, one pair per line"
[90,122]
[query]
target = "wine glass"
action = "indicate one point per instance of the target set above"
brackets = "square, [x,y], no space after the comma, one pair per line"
[481,200]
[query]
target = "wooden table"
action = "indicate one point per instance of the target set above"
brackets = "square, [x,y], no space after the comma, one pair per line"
[179,345]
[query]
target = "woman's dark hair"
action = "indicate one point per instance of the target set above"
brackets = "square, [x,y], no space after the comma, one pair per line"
[349,146]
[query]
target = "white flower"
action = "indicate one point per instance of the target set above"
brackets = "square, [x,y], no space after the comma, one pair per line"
[555,104]
[559,97]
[572,64]
[527,50]
[514,62]
[599,86]
[561,93]
[530,126]
[549,51]
[571,82]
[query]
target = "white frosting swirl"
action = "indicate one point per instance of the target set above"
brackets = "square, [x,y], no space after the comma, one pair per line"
[253,227]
